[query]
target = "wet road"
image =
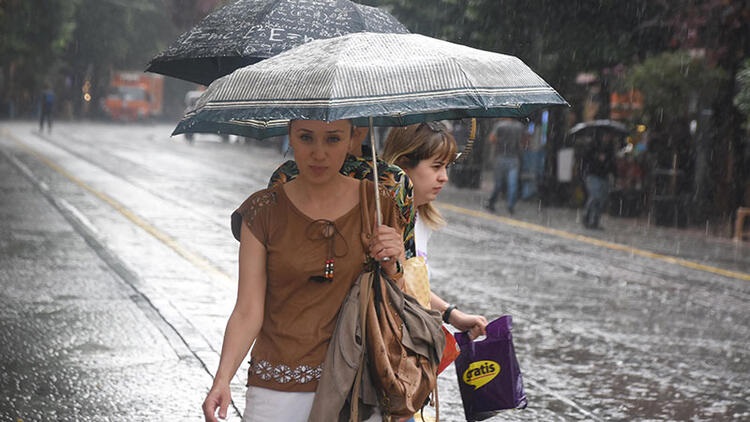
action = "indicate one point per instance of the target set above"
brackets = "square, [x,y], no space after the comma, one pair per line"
[608,326]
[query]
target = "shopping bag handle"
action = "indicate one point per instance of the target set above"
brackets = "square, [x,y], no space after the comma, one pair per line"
[497,329]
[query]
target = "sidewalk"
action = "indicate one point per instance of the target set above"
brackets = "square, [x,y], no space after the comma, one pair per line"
[60,357]
[691,243]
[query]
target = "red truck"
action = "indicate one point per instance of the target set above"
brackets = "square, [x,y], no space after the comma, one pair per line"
[134,95]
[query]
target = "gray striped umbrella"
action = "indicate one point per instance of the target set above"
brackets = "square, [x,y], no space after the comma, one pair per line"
[380,79]
[248,31]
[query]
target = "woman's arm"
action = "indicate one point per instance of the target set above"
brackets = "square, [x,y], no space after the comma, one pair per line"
[244,323]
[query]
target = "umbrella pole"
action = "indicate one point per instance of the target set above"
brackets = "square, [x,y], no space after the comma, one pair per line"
[375,174]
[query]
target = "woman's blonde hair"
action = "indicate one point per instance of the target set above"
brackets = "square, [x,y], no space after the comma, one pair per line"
[407,146]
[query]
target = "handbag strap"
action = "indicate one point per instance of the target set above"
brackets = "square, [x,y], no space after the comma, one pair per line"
[365,214]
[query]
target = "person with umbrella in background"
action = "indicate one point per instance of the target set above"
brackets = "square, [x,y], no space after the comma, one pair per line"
[301,250]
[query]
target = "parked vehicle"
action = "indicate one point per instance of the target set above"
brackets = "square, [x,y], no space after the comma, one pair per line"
[190,99]
[134,95]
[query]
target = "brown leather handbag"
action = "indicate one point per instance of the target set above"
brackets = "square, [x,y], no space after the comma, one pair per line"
[404,343]
[404,347]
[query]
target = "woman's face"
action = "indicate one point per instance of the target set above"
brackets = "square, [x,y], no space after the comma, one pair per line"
[320,147]
[428,178]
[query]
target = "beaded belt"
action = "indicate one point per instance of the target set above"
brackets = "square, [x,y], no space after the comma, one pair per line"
[284,374]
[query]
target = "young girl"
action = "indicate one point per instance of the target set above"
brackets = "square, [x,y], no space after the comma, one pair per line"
[301,250]
[424,152]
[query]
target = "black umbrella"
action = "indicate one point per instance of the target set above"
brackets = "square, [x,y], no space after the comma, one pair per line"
[249,31]
[600,125]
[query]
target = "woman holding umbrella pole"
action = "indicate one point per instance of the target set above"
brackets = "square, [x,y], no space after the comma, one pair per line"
[301,250]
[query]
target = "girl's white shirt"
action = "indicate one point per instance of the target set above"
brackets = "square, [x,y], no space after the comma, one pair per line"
[422,235]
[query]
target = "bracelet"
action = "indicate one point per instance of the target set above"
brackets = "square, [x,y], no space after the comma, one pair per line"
[399,272]
[447,313]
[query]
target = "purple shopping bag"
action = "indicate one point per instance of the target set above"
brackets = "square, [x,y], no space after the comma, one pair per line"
[488,373]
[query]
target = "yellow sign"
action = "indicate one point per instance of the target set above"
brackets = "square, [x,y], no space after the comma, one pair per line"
[481,372]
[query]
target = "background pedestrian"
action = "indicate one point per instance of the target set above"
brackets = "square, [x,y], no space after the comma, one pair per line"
[47,104]
[598,168]
[506,136]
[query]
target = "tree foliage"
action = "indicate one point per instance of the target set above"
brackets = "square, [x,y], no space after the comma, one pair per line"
[675,84]
[69,42]
[34,36]
[742,99]
[557,39]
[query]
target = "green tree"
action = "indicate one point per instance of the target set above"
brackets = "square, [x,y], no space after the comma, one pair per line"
[34,37]
[112,35]
[676,85]
[742,99]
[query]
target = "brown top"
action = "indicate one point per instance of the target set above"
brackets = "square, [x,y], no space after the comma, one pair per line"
[300,313]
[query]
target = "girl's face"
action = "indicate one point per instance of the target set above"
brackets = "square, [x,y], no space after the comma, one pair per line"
[320,147]
[428,178]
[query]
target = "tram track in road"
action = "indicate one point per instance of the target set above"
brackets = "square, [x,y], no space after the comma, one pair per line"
[177,325]
[170,241]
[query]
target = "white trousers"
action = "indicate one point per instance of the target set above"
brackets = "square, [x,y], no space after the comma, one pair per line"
[266,405]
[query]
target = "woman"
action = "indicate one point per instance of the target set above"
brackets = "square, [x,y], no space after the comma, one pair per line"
[424,152]
[300,252]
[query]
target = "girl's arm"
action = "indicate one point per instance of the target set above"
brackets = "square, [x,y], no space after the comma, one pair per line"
[476,325]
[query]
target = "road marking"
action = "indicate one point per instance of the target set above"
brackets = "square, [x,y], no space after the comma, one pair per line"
[163,237]
[596,242]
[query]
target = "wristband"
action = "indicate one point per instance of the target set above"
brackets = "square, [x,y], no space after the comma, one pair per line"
[447,313]
[399,272]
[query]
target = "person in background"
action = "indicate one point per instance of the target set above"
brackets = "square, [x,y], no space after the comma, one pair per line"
[598,167]
[47,105]
[507,136]
[301,251]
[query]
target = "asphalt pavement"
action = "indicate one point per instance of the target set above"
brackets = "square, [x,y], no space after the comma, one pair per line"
[707,247]
[63,292]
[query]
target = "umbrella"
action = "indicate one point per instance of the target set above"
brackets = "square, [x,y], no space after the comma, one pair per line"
[372,79]
[582,134]
[382,79]
[599,125]
[249,31]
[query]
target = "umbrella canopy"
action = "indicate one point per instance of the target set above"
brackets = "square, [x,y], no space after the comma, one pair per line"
[599,125]
[394,79]
[249,31]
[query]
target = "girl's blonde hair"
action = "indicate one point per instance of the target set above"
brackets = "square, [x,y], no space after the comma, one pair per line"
[407,146]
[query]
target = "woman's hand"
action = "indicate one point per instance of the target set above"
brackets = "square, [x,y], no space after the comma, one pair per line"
[387,247]
[218,398]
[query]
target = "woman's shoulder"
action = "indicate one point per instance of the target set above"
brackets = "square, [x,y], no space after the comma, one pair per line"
[259,202]
[261,199]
